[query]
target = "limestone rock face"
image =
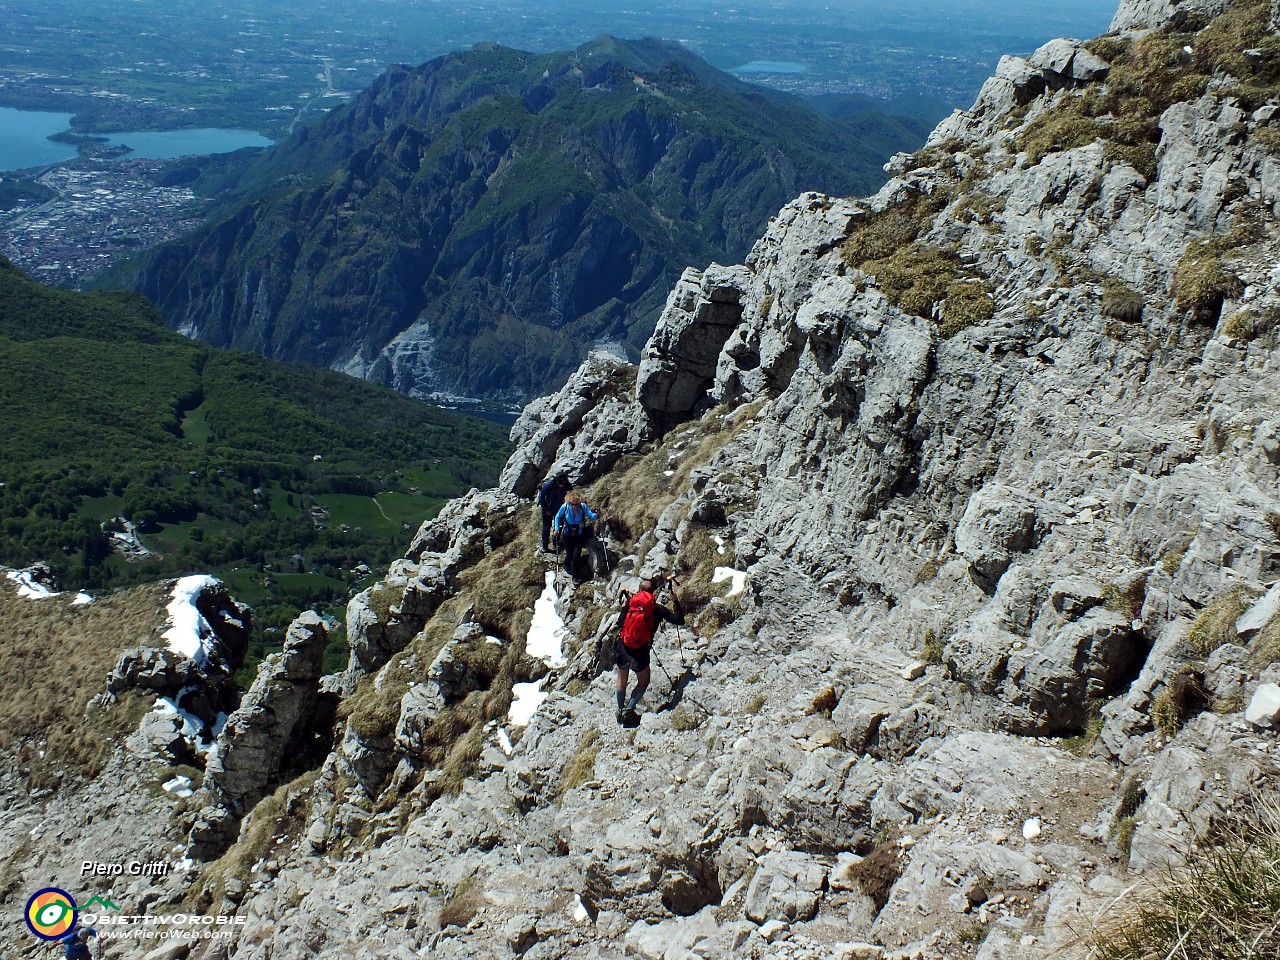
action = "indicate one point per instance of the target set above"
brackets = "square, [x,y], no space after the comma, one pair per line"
[196,689]
[1068,59]
[152,669]
[552,435]
[1264,708]
[679,362]
[276,714]
[382,619]
[996,524]
[1148,14]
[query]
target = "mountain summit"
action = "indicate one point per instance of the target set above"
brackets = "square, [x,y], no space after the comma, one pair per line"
[471,226]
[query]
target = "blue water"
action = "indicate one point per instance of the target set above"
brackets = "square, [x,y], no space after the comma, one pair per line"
[771,66]
[167,144]
[24,138]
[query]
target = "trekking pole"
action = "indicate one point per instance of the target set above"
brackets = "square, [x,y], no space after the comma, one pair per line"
[672,583]
[671,683]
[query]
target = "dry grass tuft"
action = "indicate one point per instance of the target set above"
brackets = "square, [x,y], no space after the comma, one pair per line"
[1252,322]
[877,872]
[498,592]
[1265,646]
[1222,903]
[825,702]
[1122,303]
[1216,624]
[1127,601]
[504,585]
[638,489]
[581,767]
[933,648]
[921,279]
[282,814]
[1201,281]
[54,659]
[466,902]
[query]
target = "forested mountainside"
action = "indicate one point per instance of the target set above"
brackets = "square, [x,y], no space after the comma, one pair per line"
[129,453]
[473,225]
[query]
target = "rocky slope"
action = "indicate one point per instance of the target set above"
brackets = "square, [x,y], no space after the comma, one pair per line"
[997,451]
[472,225]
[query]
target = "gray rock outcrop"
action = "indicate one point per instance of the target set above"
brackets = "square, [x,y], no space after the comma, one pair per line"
[382,619]
[552,436]
[275,725]
[277,712]
[1150,14]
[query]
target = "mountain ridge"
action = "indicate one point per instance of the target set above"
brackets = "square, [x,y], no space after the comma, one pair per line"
[470,226]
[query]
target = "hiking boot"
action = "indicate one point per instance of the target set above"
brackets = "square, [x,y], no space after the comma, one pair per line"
[622,716]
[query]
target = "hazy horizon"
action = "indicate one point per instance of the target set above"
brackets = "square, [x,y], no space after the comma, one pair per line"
[939,48]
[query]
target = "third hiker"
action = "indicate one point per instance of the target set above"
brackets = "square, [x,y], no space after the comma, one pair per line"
[637,623]
[551,499]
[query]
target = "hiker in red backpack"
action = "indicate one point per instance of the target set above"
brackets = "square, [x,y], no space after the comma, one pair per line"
[637,623]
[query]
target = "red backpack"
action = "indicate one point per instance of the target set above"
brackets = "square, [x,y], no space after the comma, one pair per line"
[640,621]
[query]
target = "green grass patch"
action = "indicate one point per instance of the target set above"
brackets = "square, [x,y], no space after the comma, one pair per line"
[927,281]
[226,452]
[195,427]
[408,508]
[1083,742]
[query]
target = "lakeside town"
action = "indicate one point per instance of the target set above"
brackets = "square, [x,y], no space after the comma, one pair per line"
[104,209]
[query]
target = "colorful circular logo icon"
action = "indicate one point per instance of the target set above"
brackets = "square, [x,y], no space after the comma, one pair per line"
[51,913]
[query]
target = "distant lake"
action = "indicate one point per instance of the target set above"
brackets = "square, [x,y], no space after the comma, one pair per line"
[25,141]
[167,144]
[771,66]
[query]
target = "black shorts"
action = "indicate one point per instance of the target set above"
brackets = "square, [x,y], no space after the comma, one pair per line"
[629,659]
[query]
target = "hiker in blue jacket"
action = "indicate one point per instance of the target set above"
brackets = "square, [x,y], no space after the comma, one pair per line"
[74,943]
[570,528]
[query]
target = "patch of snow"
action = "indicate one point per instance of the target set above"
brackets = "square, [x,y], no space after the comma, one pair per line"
[719,543]
[81,599]
[168,706]
[736,577]
[528,697]
[668,473]
[179,787]
[190,633]
[547,631]
[580,912]
[504,742]
[192,726]
[29,587]
[1031,828]
[497,640]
